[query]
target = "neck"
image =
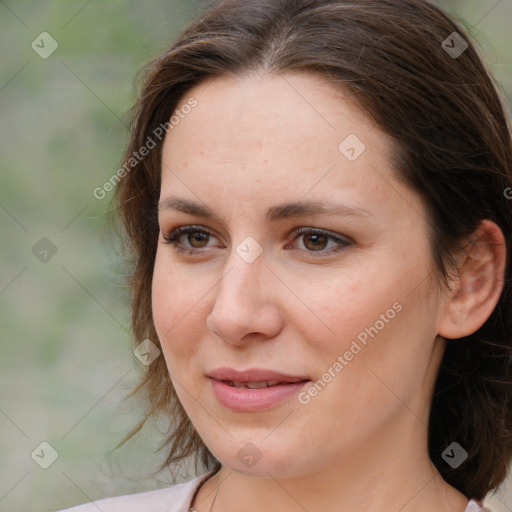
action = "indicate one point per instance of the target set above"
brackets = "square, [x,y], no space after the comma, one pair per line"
[378,478]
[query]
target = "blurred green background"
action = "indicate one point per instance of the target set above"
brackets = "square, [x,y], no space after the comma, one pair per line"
[65,354]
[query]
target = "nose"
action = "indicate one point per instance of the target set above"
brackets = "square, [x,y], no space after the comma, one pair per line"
[246,305]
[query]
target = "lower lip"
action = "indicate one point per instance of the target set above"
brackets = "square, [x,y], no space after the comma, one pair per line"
[246,399]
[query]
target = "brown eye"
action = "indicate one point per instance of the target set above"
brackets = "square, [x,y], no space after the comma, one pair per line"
[189,239]
[197,238]
[318,242]
[315,241]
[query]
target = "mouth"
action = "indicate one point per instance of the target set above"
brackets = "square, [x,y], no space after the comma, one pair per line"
[258,384]
[262,377]
[254,389]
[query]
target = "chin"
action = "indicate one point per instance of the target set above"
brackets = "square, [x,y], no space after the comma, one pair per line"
[258,459]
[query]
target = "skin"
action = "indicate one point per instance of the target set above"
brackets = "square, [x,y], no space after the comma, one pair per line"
[361,444]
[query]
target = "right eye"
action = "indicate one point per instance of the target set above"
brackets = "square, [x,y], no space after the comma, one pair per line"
[194,241]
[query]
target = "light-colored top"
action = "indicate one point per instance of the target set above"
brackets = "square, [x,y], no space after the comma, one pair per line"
[177,498]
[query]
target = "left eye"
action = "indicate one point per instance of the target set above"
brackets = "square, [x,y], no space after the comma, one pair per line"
[317,240]
[314,240]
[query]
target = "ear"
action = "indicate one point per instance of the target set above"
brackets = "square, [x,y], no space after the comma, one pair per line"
[478,284]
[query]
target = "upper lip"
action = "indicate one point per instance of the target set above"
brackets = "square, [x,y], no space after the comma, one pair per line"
[253,375]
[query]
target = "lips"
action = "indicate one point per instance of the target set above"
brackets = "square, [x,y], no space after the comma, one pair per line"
[254,375]
[253,385]
[254,389]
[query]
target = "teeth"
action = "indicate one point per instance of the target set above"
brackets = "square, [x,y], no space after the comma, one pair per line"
[253,385]
[257,385]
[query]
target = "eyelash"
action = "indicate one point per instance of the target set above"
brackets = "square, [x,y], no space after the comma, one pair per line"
[175,234]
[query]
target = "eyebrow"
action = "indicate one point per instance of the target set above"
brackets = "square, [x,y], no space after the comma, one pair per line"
[274,213]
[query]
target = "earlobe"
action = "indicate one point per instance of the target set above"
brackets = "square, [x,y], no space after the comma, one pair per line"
[478,285]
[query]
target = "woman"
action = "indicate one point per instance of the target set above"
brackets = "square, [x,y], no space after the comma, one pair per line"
[317,196]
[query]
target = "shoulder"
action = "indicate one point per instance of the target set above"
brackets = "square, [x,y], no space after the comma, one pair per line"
[475,506]
[175,498]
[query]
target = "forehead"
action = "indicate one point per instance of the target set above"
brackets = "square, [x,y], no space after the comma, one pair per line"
[289,111]
[278,135]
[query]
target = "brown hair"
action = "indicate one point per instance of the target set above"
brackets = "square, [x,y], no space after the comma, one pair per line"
[452,145]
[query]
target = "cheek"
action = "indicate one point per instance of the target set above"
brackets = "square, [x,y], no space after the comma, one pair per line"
[341,304]
[176,311]
[376,315]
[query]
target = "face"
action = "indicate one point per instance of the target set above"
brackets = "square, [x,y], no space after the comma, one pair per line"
[340,298]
